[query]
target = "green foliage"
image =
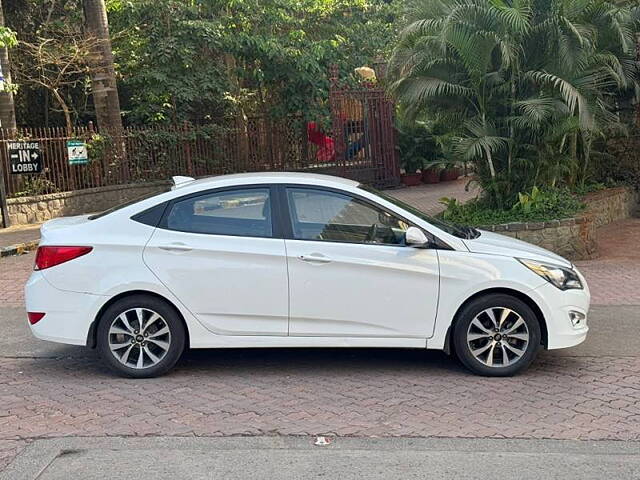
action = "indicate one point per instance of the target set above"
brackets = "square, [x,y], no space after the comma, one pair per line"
[416,146]
[535,206]
[36,185]
[529,201]
[592,187]
[625,170]
[7,38]
[47,27]
[528,87]
[99,146]
[424,144]
[200,60]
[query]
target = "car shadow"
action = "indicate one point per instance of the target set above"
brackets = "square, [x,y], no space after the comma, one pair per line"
[304,360]
[335,362]
[282,361]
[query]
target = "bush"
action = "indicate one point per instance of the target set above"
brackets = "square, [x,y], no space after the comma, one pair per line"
[36,185]
[535,206]
[417,146]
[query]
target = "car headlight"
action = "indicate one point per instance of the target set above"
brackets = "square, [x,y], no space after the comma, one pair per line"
[561,277]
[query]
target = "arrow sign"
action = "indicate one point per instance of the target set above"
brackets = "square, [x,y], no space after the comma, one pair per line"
[24,157]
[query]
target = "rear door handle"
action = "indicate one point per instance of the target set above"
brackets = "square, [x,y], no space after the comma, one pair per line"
[315,258]
[176,247]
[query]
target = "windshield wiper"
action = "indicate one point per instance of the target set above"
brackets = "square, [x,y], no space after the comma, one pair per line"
[469,232]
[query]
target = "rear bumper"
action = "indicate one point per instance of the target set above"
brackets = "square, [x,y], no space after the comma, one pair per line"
[68,315]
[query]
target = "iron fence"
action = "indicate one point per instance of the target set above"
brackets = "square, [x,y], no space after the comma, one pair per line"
[360,145]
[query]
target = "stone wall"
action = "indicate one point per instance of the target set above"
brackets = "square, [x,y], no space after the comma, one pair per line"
[24,210]
[612,204]
[575,238]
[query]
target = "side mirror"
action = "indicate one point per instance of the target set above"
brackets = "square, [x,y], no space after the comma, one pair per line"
[414,237]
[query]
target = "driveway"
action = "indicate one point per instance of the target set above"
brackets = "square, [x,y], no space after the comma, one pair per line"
[591,392]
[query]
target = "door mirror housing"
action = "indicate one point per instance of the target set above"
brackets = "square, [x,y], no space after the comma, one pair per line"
[414,237]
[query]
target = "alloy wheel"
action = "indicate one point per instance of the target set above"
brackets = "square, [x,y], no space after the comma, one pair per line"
[139,338]
[498,337]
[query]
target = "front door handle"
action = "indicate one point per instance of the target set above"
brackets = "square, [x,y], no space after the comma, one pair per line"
[176,247]
[315,258]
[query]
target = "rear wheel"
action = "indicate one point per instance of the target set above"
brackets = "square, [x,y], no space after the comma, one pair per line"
[496,335]
[140,336]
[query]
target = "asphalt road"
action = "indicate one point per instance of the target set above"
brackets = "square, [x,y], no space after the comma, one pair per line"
[345,458]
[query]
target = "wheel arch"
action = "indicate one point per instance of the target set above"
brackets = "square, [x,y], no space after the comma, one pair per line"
[93,328]
[448,344]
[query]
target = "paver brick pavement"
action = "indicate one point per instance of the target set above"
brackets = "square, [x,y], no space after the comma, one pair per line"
[14,272]
[614,277]
[306,392]
[352,393]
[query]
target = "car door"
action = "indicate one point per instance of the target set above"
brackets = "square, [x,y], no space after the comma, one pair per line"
[218,254]
[350,273]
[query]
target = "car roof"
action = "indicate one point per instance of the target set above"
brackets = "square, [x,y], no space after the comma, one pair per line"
[266,177]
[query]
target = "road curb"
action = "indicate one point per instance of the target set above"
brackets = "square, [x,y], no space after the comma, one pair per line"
[19,248]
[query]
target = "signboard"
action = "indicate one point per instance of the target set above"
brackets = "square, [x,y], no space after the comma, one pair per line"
[77,151]
[24,157]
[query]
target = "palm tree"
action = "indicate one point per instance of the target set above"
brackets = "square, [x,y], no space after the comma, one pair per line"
[103,78]
[514,75]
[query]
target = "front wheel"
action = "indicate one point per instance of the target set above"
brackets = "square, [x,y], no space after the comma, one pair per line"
[140,336]
[496,335]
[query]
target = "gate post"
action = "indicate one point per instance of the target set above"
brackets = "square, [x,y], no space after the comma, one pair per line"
[3,200]
[3,192]
[336,96]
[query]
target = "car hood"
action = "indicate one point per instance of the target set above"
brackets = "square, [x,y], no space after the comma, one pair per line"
[495,244]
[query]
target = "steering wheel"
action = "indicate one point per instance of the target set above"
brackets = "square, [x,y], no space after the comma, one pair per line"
[372,234]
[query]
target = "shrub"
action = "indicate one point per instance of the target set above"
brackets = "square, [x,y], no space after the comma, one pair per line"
[535,206]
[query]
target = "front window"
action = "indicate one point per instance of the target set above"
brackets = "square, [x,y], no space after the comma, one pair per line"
[336,217]
[450,228]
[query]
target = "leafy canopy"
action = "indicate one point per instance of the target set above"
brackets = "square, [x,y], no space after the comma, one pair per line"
[527,87]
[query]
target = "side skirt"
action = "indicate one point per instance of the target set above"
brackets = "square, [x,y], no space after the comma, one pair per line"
[220,341]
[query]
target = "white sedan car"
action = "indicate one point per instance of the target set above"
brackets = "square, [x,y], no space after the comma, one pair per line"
[295,260]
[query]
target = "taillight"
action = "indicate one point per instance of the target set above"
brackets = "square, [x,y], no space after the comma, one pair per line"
[35,317]
[51,256]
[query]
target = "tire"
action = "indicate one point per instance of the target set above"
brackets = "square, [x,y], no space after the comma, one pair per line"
[482,349]
[121,341]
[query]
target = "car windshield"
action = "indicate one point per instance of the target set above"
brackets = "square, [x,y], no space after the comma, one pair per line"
[450,228]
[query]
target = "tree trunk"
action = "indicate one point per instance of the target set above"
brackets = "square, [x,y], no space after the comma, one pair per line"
[637,60]
[103,77]
[240,120]
[65,111]
[7,105]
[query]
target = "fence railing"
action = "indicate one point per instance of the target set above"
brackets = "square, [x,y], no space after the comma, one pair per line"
[139,154]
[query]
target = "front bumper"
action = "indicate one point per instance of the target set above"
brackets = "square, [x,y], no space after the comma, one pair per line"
[68,315]
[557,306]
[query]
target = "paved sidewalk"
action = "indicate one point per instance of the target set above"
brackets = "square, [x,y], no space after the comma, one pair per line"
[14,272]
[18,239]
[427,197]
[293,458]
[614,277]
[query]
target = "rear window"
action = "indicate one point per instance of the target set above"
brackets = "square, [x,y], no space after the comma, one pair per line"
[241,212]
[123,205]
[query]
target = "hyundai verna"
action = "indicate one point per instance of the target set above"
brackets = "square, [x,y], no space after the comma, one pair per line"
[295,260]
